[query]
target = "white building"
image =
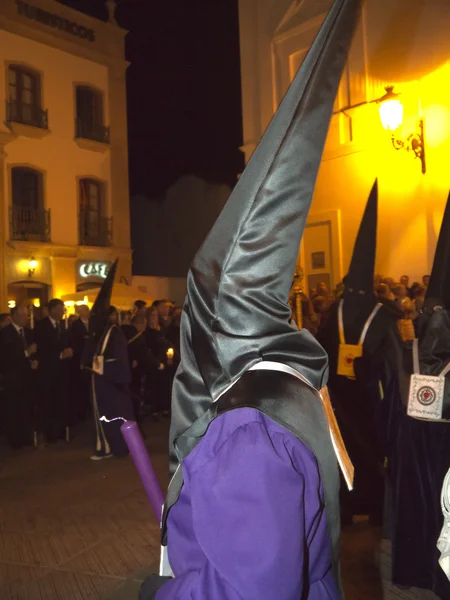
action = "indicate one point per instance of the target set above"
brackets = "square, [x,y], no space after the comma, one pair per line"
[64,204]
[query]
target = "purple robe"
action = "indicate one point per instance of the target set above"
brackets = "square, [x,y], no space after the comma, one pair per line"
[250,520]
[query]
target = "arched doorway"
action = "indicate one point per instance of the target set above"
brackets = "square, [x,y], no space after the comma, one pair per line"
[31,293]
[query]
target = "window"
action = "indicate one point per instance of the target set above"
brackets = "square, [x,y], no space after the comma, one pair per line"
[26,188]
[24,98]
[90,115]
[28,218]
[95,228]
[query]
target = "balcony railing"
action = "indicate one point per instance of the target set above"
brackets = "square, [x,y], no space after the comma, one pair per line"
[95,234]
[26,114]
[88,131]
[29,224]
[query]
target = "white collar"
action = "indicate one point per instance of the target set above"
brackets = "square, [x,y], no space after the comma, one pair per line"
[18,329]
[270,365]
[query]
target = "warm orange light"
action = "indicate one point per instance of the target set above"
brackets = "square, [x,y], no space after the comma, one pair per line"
[170,353]
[391,110]
[33,264]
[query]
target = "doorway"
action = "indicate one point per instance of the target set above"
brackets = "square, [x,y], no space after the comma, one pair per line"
[321,251]
[31,294]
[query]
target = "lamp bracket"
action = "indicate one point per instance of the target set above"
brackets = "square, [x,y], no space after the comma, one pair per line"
[414,143]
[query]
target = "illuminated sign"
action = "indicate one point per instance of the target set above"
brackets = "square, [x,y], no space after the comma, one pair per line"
[55,21]
[94,269]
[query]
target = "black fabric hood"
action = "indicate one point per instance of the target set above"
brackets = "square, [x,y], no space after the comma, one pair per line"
[438,292]
[236,312]
[359,296]
[98,319]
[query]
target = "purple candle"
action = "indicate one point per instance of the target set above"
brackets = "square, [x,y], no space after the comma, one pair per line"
[143,464]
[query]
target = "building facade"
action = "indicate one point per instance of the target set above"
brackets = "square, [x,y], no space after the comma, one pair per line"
[404,43]
[64,199]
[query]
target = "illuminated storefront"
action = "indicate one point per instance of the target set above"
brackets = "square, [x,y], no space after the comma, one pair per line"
[64,204]
[397,43]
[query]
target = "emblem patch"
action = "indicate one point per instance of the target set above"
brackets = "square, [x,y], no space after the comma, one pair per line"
[426,395]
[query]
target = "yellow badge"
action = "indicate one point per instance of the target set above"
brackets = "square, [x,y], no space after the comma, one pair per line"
[346,359]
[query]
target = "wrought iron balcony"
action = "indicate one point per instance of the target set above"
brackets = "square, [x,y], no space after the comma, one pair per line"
[95,234]
[94,132]
[29,224]
[26,114]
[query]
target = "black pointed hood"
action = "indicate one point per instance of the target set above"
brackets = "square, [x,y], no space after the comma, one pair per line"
[434,322]
[236,311]
[361,273]
[438,292]
[98,319]
[359,296]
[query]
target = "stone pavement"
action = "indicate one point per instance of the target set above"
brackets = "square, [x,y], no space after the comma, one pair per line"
[74,529]
[71,528]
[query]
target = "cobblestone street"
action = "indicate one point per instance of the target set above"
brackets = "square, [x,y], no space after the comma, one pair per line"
[75,529]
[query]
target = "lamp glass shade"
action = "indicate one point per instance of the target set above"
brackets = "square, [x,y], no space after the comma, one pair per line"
[33,264]
[391,114]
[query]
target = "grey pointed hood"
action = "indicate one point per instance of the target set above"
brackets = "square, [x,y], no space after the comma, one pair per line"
[236,311]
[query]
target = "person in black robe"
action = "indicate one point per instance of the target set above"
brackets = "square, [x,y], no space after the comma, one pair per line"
[106,356]
[17,367]
[53,375]
[419,450]
[356,393]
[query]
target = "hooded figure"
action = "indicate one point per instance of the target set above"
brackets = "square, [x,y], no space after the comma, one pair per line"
[419,450]
[106,356]
[358,336]
[252,458]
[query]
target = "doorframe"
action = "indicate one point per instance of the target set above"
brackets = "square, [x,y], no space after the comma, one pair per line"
[331,218]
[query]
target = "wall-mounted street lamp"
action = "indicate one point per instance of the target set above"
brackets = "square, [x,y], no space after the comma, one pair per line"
[391,115]
[32,266]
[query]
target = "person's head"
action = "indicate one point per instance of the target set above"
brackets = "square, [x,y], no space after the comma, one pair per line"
[400,292]
[19,315]
[125,317]
[321,289]
[113,315]
[153,318]
[56,309]
[426,280]
[140,322]
[383,291]
[164,309]
[83,312]
[5,319]
[140,306]
[417,289]
[389,281]
[404,280]
[377,280]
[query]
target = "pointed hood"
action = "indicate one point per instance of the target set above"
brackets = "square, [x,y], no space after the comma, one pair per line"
[98,319]
[359,296]
[361,273]
[434,321]
[236,311]
[438,292]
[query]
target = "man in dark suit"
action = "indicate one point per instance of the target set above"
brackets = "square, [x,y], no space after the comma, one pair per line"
[17,353]
[53,354]
[79,380]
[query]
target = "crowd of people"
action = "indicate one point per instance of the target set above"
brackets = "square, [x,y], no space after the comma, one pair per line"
[45,386]
[404,301]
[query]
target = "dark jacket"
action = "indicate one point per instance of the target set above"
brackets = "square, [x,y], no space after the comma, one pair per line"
[15,366]
[51,342]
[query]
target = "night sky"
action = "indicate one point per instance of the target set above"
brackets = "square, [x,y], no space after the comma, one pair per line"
[184,102]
